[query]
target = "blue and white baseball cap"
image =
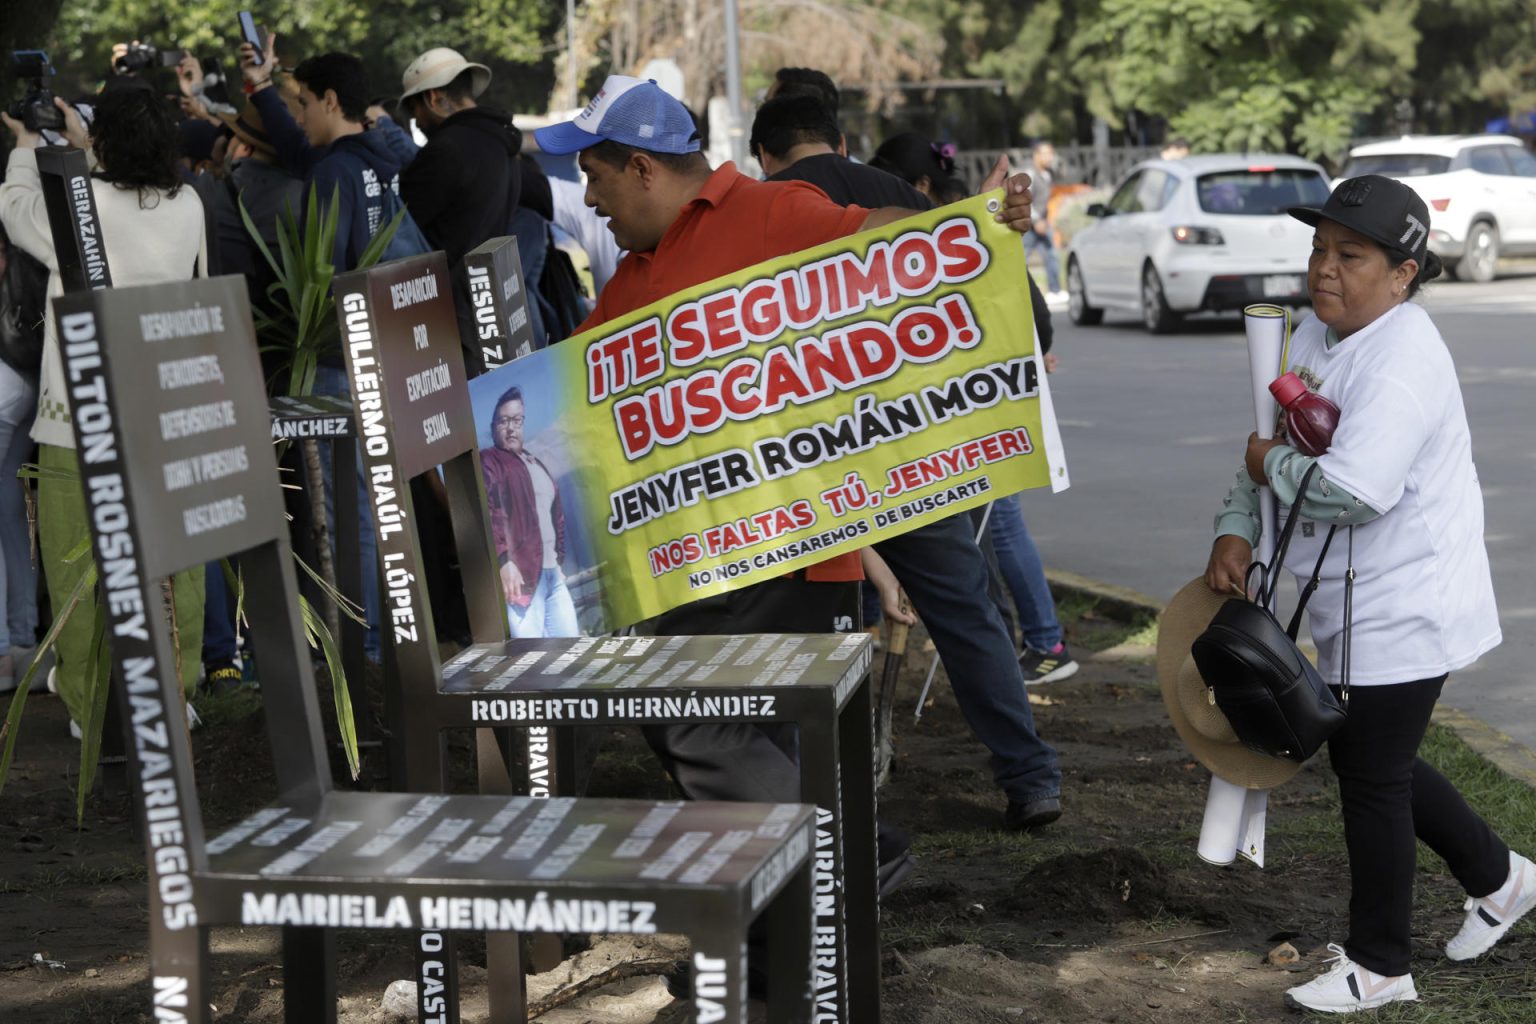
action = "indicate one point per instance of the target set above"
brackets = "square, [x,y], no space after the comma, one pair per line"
[631,111]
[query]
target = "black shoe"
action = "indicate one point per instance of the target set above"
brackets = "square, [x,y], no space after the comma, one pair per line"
[1047,666]
[1024,817]
[222,677]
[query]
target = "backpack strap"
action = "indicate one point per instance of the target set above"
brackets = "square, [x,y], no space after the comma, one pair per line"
[1317,572]
[1349,620]
[1271,578]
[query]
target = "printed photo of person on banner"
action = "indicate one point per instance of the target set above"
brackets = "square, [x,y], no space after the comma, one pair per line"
[533,538]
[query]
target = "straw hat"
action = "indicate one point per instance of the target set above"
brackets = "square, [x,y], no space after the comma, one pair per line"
[248,127]
[439,66]
[1199,722]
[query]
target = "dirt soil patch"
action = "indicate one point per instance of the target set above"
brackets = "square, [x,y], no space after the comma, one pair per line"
[1106,916]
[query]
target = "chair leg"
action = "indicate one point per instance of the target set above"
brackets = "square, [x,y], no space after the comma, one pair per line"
[437,978]
[720,973]
[505,979]
[309,976]
[790,951]
[179,974]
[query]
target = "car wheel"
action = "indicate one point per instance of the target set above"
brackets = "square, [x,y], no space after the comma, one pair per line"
[1155,314]
[1481,258]
[1078,309]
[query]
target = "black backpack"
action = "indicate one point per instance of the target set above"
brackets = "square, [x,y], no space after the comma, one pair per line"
[23,309]
[565,300]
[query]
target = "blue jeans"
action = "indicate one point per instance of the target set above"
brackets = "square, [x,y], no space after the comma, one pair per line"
[219,648]
[550,612]
[944,573]
[18,577]
[1035,240]
[332,380]
[1019,561]
[869,604]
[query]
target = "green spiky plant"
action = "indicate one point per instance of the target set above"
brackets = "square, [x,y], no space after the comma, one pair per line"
[298,322]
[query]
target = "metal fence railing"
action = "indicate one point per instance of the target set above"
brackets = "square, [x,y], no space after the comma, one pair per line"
[1102,167]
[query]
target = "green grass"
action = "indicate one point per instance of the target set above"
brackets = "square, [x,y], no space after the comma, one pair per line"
[1093,630]
[1507,804]
[226,710]
[48,881]
[1146,636]
[1448,995]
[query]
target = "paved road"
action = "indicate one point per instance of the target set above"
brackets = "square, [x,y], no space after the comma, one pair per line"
[1154,430]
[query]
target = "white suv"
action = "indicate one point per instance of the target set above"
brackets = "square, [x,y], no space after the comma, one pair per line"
[1480,189]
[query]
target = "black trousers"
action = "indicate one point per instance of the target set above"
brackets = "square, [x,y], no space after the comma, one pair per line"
[1391,797]
[747,760]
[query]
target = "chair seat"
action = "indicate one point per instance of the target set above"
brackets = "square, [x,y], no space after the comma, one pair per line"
[491,863]
[717,663]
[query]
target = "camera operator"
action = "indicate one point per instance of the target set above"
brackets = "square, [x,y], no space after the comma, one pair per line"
[151,228]
[202,95]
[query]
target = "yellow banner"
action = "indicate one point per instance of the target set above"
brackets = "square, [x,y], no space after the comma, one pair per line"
[769,420]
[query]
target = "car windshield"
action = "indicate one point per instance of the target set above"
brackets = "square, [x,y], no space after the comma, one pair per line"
[1260,191]
[1397,165]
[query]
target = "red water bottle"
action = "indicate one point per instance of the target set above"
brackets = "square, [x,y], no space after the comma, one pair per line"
[1310,419]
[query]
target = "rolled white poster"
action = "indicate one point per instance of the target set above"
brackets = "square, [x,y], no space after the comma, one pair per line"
[1233,824]
[1223,825]
[1250,845]
[1269,334]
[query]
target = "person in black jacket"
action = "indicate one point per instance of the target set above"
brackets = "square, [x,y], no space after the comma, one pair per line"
[463,186]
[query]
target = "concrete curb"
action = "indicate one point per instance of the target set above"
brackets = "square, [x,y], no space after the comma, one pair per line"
[1126,605]
[1120,603]
[1508,755]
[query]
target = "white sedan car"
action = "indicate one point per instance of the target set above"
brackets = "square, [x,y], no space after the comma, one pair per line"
[1202,233]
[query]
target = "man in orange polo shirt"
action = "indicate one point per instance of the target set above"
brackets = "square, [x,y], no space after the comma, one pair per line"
[683,224]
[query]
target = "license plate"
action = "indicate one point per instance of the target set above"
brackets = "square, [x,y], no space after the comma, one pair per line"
[1281,286]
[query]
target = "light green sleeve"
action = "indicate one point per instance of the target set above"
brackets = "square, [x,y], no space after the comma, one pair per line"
[1326,501]
[1239,515]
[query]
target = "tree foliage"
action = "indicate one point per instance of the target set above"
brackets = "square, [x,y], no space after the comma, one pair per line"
[1301,75]
[509,35]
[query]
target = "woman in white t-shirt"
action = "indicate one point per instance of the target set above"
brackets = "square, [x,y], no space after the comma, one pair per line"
[152,231]
[1400,472]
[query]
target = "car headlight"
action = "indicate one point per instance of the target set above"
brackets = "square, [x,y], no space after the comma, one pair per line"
[1186,234]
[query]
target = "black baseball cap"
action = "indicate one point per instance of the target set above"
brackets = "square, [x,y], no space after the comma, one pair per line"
[1380,208]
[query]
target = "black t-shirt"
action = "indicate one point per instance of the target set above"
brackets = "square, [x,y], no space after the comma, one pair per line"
[849,184]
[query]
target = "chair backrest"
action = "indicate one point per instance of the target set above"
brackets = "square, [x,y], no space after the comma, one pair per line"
[399,334]
[172,437]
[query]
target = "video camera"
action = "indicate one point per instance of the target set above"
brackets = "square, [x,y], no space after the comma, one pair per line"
[141,56]
[35,110]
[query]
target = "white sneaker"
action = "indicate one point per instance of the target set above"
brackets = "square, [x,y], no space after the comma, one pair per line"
[1347,987]
[1490,917]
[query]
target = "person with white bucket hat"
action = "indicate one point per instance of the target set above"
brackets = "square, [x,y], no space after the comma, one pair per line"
[463,186]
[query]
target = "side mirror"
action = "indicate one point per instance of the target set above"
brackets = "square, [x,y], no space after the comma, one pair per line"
[1098,210]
